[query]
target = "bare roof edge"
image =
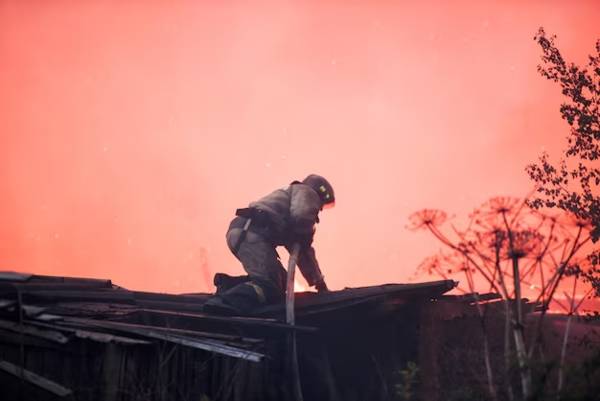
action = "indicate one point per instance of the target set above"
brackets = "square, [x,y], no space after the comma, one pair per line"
[41,289]
[7,275]
[430,289]
[14,276]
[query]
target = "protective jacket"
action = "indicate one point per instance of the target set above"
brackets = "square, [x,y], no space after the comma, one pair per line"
[284,217]
[292,214]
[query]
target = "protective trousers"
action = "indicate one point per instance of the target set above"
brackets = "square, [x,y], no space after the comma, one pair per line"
[261,261]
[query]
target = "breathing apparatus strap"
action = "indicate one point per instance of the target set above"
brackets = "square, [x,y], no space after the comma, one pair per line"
[242,236]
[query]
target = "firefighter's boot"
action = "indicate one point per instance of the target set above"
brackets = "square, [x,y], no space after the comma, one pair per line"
[242,299]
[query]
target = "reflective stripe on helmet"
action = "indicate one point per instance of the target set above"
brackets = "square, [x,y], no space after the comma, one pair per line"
[321,186]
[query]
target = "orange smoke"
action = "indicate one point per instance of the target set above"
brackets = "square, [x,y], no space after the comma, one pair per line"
[131,131]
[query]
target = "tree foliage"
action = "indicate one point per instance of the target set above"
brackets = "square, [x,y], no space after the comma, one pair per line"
[573,184]
[525,249]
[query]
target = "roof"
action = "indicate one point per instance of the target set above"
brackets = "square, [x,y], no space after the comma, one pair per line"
[57,309]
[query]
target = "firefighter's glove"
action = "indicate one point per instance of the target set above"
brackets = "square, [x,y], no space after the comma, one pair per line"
[321,286]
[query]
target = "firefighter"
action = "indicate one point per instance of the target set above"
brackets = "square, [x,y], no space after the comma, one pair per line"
[282,218]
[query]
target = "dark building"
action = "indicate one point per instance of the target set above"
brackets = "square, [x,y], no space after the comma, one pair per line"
[88,339]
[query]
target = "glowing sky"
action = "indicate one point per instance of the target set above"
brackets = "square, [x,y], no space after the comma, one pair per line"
[130,131]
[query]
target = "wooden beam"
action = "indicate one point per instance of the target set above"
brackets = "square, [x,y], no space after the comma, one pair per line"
[80,322]
[51,335]
[35,379]
[203,344]
[235,320]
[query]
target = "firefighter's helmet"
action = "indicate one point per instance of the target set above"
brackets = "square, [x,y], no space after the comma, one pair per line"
[322,187]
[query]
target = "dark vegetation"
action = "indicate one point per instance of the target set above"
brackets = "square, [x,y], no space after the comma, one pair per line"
[539,254]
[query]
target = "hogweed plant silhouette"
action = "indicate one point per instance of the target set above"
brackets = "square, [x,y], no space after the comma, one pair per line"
[522,254]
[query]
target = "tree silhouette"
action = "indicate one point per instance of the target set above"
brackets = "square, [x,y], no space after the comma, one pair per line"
[573,184]
[531,248]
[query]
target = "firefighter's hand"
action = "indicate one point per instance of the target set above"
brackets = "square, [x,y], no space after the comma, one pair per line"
[321,286]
